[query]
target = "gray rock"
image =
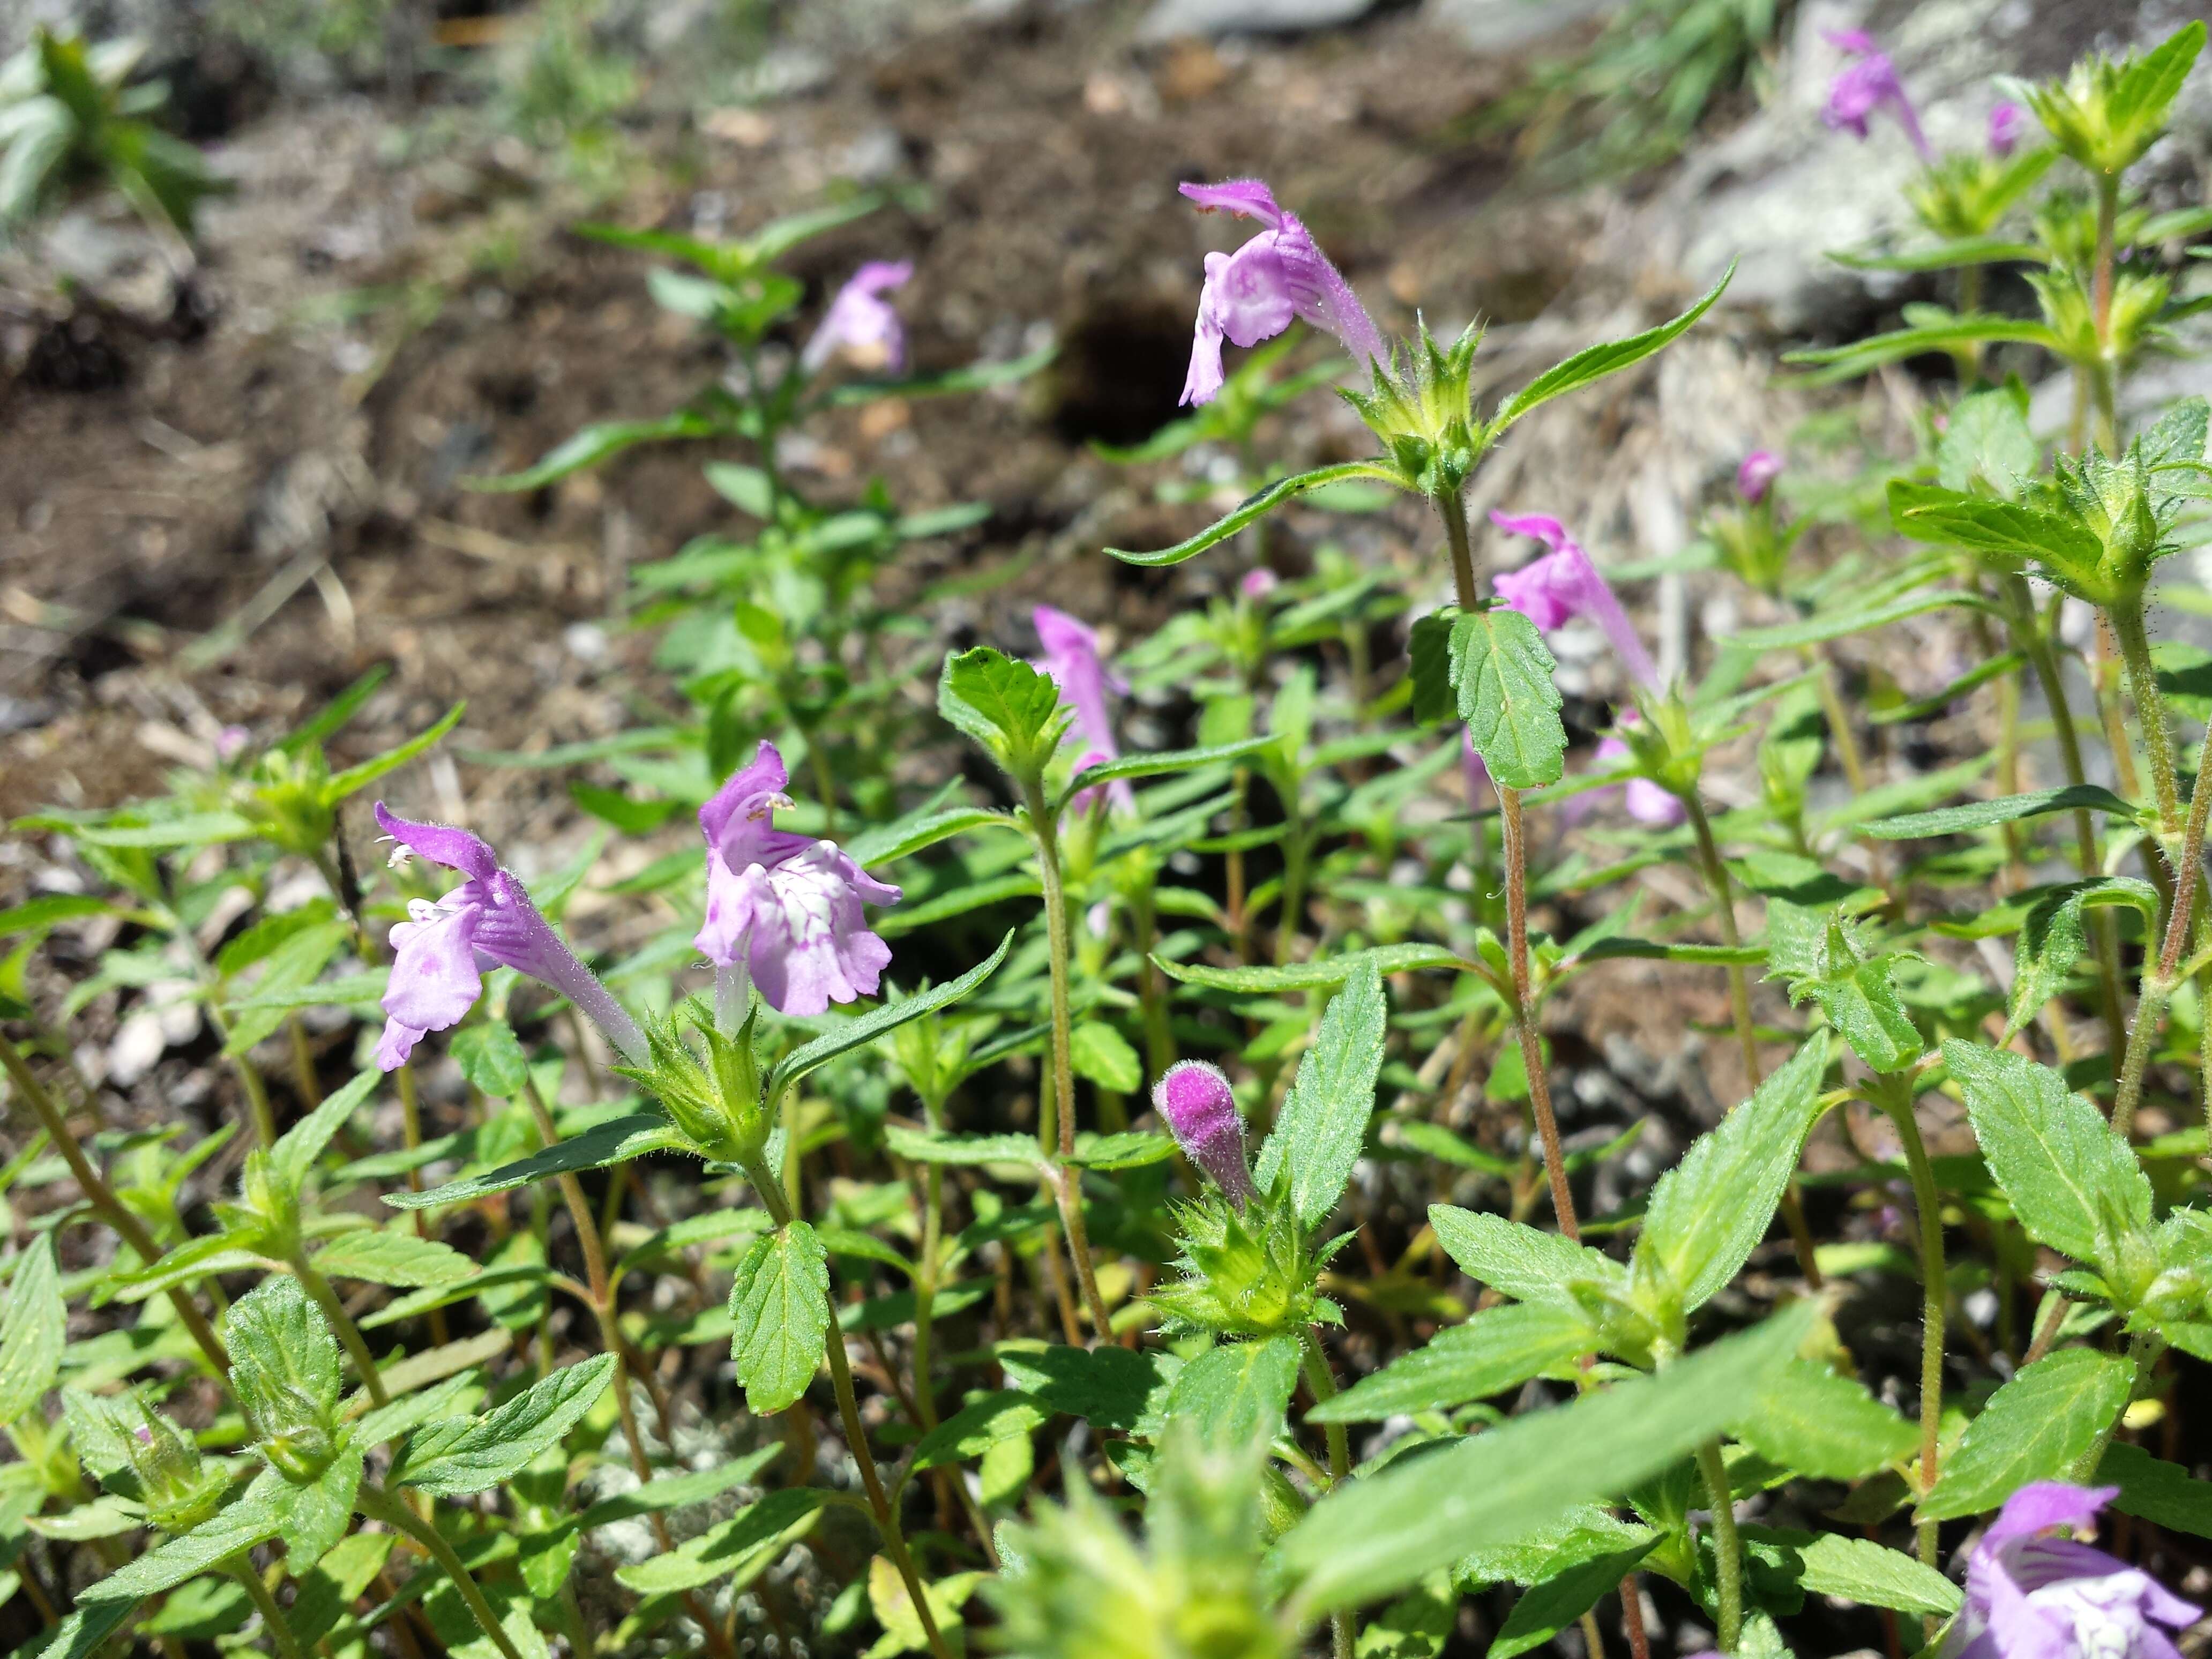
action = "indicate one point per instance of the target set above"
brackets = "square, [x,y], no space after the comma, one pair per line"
[1505,25]
[1171,18]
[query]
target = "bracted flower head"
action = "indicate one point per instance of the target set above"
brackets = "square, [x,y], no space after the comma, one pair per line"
[2032,1592]
[438,952]
[785,908]
[1757,474]
[861,322]
[1564,585]
[1195,1099]
[1072,657]
[2007,126]
[1868,85]
[1252,294]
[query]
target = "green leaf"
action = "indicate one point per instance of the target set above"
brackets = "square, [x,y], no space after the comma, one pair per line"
[454,1461]
[2005,809]
[1253,507]
[1595,362]
[1846,362]
[1428,655]
[85,1631]
[194,829]
[614,1142]
[2151,1489]
[2035,1427]
[34,1331]
[1708,1213]
[385,1257]
[281,1351]
[973,1430]
[857,1032]
[490,1056]
[1322,974]
[721,1549]
[1129,1149]
[1859,1570]
[315,1513]
[42,915]
[1108,1386]
[969,377]
[1503,675]
[593,445]
[1806,1418]
[746,488]
[252,1519]
[1946,256]
[2011,532]
[1099,1052]
[931,1147]
[2051,939]
[779,1312]
[1382,1534]
[1415,1626]
[2074,1184]
[292,1157]
[1160,761]
[1833,623]
[1546,1608]
[893,842]
[1011,709]
[1236,1393]
[1520,1261]
[1323,1121]
[1499,1348]
[355,779]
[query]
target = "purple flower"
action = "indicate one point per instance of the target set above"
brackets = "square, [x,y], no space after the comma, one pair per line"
[1195,1100]
[1258,582]
[1757,474]
[1071,657]
[1647,804]
[861,322]
[1471,765]
[1564,585]
[1252,294]
[1868,85]
[785,908]
[2033,1595]
[231,742]
[2007,126]
[438,952]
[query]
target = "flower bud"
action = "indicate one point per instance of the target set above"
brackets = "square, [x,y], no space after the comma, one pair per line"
[1757,474]
[1194,1098]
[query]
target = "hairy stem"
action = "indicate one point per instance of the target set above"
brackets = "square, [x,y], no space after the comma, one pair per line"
[1896,1099]
[378,1504]
[265,1602]
[1728,1547]
[2134,637]
[102,1199]
[1344,1628]
[2104,373]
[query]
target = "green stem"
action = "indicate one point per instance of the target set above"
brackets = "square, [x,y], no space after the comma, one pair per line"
[102,1199]
[349,1335]
[1728,1547]
[1896,1099]
[2160,976]
[264,1601]
[2144,1348]
[1056,1127]
[1344,1626]
[378,1504]
[2134,637]
[2104,373]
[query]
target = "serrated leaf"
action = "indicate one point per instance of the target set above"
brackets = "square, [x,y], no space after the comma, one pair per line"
[1806,1418]
[864,1029]
[2010,532]
[2151,1489]
[2005,809]
[392,1258]
[1102,1055]
[2073,1184]
[1859,1570]
[315,1513]
[34,1331]
[1127,1149]
[780,1312]
[1253,507]
[1502,673]
[1520,1260]
[1384,1533]
[251,1519]
[2035,1427]
[490,1056]
[1594,363]
[1108,1386]
[973,1430]
[1324,1122]
[2051,939]
[1012,709]
[503,1441]
[1499,1348]
[1236,1393]
[722,1548]
[280,1344]
[1708,1212]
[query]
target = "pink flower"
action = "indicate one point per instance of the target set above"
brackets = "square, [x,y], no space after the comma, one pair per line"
[1252,294]
[1071,657]
[2007,126]
[1647,804]
[860,322]
[785,908]
[1258,582]
[1868,85]
[231,742]
[1195,1100]
[1757,474]
[2033,1595]
[1562,585]
[436,972]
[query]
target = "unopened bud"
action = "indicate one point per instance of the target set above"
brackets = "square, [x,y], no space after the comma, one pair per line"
[1194,1098]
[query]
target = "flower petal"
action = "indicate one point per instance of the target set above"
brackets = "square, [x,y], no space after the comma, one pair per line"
[440,843]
